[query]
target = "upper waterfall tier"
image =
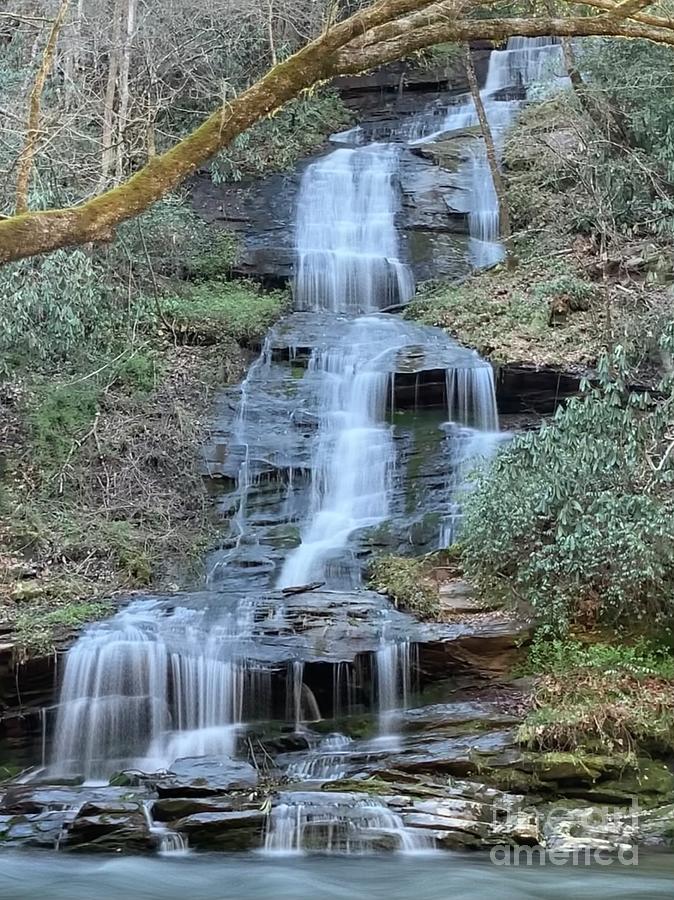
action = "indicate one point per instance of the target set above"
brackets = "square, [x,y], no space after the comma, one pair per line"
[346,241]
[527,64]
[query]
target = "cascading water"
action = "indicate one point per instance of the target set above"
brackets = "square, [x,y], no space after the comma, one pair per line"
[147,688]
[527,66]
[348,823]
[393,680]
[354,455]
[347,243]
[326,762]
[162,681]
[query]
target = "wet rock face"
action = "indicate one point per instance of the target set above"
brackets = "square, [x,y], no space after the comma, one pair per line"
[235,830]
[109,831]
[203,777]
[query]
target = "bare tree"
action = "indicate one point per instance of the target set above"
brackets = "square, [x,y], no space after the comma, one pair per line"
[25,163]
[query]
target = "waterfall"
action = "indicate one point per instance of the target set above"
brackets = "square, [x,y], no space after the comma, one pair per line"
[346,240]
[353,457]
[146,688]
[471,397]
[393,682]
[160,681]
[473,436]
[340,823]
[528,65]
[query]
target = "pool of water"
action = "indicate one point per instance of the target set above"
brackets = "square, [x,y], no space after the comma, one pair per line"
[26,875]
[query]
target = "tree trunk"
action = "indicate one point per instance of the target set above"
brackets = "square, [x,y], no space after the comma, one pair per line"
[27,157]
[492,159]
[108,151]
[124,69]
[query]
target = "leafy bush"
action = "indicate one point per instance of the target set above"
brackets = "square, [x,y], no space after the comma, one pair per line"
[578,520]
[170,239]
[216,310]
[578,292]
[51,307]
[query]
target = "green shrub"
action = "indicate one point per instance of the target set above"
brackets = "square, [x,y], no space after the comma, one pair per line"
[62,414]
[138,373]
[215,259]
[52,308]
[577,520]
[577,292]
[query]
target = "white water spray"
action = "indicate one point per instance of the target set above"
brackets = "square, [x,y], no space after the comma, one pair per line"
[348,257]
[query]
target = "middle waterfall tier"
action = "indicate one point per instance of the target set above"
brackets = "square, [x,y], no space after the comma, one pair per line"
[347,246]
[350,439]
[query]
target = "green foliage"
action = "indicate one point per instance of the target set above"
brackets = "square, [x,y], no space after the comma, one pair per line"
[637,80]
[600,162]
[51,307]
[276,143]
[170,239]
[59,418]
[577,291]
[138,373]
[559,657]
[603,697]
[577,520]
[215,260]
[215,310]
[403,579]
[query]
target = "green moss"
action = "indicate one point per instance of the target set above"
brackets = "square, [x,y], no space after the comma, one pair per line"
[37,627]
[405,582]
[217,310]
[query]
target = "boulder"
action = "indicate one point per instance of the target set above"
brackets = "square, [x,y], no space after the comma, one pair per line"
[237,830]
[110,832]
[204,776]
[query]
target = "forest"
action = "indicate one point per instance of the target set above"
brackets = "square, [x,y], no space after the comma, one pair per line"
[336,447]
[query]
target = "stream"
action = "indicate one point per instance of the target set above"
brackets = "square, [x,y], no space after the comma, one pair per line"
[372,878]
[354,432]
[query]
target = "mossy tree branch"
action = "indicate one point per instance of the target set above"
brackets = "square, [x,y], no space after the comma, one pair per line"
[397,27]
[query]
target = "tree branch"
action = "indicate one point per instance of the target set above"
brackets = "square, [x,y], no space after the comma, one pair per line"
[627,8]
[25,163]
